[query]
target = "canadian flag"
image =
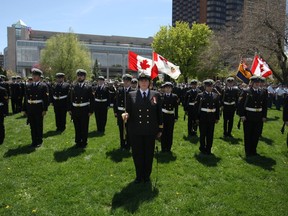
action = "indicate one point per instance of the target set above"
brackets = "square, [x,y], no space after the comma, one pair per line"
[142,64]
[165,66]
[260,67]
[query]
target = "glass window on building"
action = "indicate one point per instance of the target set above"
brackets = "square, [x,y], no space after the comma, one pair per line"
[27,54]
[101,58]
[115,60]
[18,33]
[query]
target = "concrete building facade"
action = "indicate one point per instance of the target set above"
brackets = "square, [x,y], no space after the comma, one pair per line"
[25,45]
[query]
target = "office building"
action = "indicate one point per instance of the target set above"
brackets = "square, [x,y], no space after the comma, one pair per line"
[25,45]
[216,14]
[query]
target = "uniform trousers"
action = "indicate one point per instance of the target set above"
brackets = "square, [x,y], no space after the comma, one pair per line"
[252,132]
[80,116]
[2,128]
[101,111]
[143,152]
[167,134]
[228,117]
[35,119]
[206,129]
[60,116]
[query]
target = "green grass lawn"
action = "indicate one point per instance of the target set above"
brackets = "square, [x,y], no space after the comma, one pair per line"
[57,179]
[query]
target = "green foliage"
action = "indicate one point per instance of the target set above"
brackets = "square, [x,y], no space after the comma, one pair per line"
[96,70]
[64,53]
[183,45]
[57,179]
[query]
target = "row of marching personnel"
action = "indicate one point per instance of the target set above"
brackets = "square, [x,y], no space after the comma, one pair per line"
[144,114]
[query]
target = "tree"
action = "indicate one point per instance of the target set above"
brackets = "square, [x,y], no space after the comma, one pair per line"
[262,29]
[64,53]
[183,45]
[96,70]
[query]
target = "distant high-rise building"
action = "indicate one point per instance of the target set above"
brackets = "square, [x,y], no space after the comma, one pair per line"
[215,13]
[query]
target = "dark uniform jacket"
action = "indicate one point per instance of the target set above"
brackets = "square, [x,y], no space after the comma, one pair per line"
[36,92]
[255,100]
[5,85]
[285,108]
[79,95]
[230,97]
[3,101]
[119,102]
[59,92]
[170,103]
[101,93]
[210,103]
[145,117]
[16,90]
[190,99]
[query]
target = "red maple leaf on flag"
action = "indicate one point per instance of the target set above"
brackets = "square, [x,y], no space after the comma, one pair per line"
[144,64]
[261,67]
[163,59]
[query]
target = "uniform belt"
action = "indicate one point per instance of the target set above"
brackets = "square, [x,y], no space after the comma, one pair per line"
[1,104]
[60,97]
[81,104]
[231,103]
[192,104]
[35,101]
[253,109]
[208,110]
[100,100]
[167,111]
[121,108]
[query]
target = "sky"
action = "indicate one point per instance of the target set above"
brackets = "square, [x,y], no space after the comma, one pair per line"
[135,18]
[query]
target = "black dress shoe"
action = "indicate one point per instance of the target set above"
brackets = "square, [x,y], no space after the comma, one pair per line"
[147,180]
[137,181]
[38,145]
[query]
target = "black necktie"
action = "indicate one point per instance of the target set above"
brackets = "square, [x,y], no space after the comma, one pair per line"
[144,96]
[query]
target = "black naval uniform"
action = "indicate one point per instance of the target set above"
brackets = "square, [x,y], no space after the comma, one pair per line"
[35,103]
[3,112]
[119,108]
[229,102]
[6,86]
[101,94]
[59,98]
[81,103]
[208,106]
[190,107]
[253,106]
[285,108]
[144,122]
[16,97]
[170,114]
